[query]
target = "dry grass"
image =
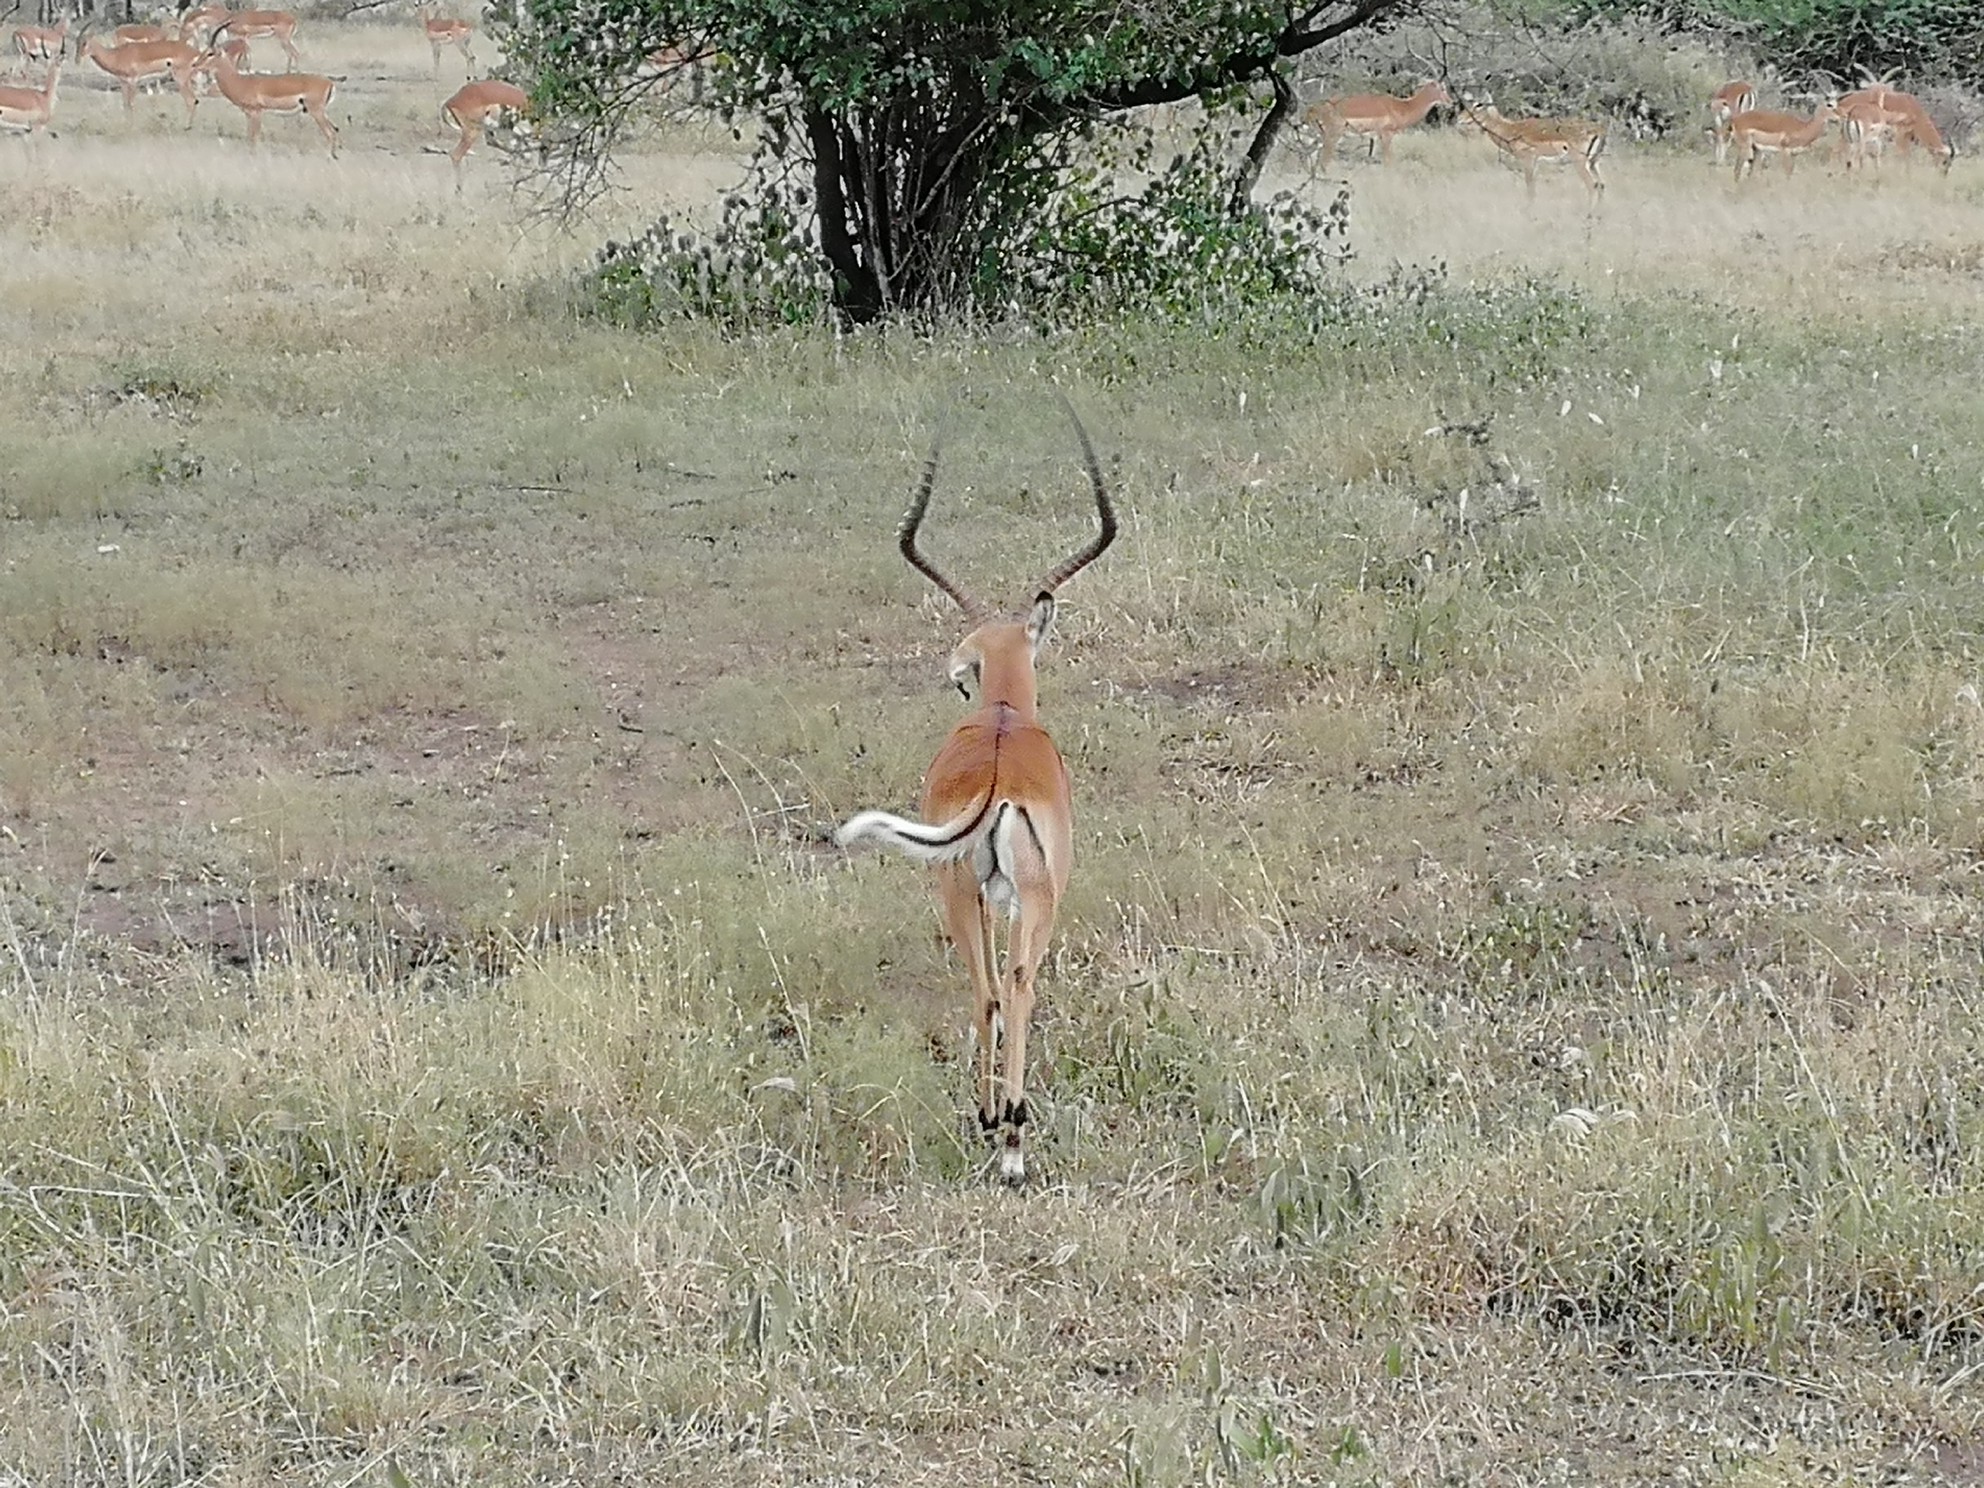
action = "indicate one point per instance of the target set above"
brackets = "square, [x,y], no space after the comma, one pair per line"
[1517,1020]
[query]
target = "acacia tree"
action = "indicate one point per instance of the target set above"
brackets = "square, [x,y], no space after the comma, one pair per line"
[925,126]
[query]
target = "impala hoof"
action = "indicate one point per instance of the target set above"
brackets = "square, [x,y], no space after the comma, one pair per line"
[1012,1166]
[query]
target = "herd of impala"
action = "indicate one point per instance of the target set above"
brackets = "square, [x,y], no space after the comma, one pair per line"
[210,41]
[1871,119]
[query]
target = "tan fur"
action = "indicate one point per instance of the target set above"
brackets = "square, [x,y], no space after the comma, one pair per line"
[253,25]
[199,24]
[1765,132]
[30,108]
[137,61]
[43,44]
[1377,116]
[1872,116]
[1532,142]
[442,31]
[288,93]
[1725,104]
[470,111]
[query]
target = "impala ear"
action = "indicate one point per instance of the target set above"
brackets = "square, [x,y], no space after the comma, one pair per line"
[1040,621]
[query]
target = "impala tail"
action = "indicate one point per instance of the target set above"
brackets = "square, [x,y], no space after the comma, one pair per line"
[926,842]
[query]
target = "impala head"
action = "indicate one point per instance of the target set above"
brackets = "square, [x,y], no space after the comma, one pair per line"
[994,663]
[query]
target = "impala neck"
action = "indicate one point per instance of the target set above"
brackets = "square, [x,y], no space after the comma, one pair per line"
[1013,684]
[1005,667]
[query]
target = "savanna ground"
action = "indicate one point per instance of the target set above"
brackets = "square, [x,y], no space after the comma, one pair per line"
[1518,1015]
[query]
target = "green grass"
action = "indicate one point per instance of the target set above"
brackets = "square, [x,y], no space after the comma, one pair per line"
[1517,1013]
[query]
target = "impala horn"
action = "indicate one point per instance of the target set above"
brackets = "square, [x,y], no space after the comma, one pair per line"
[1105,512]
[906,537]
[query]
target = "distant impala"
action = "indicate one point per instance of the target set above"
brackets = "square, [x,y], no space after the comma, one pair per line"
[24,108]
[1377,116]
[253,25]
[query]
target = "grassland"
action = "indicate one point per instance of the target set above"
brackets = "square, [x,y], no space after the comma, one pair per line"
[1518,1020]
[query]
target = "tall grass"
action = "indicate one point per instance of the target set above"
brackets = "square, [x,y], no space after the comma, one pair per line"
[1518,995]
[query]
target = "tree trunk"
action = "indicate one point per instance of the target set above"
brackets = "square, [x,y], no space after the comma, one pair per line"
[857,294]
[1264,139]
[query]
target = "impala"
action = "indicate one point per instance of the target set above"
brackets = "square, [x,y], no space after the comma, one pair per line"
[998,825]
[470,111]
[257,94]
[25,108]
[199,24]
[1865,127]
[42,44]
[1764,132]
[1871,116]
[443,31]
[125,35]
[142,60]
[1377,116]
[1726,103]
[1532,142]
[253,25]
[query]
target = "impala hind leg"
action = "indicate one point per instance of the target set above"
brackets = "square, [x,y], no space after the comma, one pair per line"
[1037,891]
[968,923]
[1026,947]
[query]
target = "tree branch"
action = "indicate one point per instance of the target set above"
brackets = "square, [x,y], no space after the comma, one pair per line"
[1300,35]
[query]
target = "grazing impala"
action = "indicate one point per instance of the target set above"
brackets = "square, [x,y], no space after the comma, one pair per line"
[1870,117]
[471,110]
[1765,132]
[1377,116]
[253,25]
[1728,101]
[26,108]
[998,825]
[1532,142]
[256,94]
[441,31]
[141,61]
[43,44]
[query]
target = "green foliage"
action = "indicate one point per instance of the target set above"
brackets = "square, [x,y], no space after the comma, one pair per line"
[1913,38]
[1064,246]
[759,266]
[935,134]
[1173,249]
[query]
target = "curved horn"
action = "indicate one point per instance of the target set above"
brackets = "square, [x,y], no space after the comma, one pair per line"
[906,537]
[1104,511]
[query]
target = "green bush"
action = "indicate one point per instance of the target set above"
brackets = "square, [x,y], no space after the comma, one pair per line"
[1907,38]
[1076,247]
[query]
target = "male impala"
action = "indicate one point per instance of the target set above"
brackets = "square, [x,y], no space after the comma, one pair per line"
[442,31]
[1377,116]
[142,60]
[1532,142]
[1765,132]
[253,25]
[998,825]
[256,94]
[1871,116]
[1727,102]
[43,44]
[471,110]
[25,108]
